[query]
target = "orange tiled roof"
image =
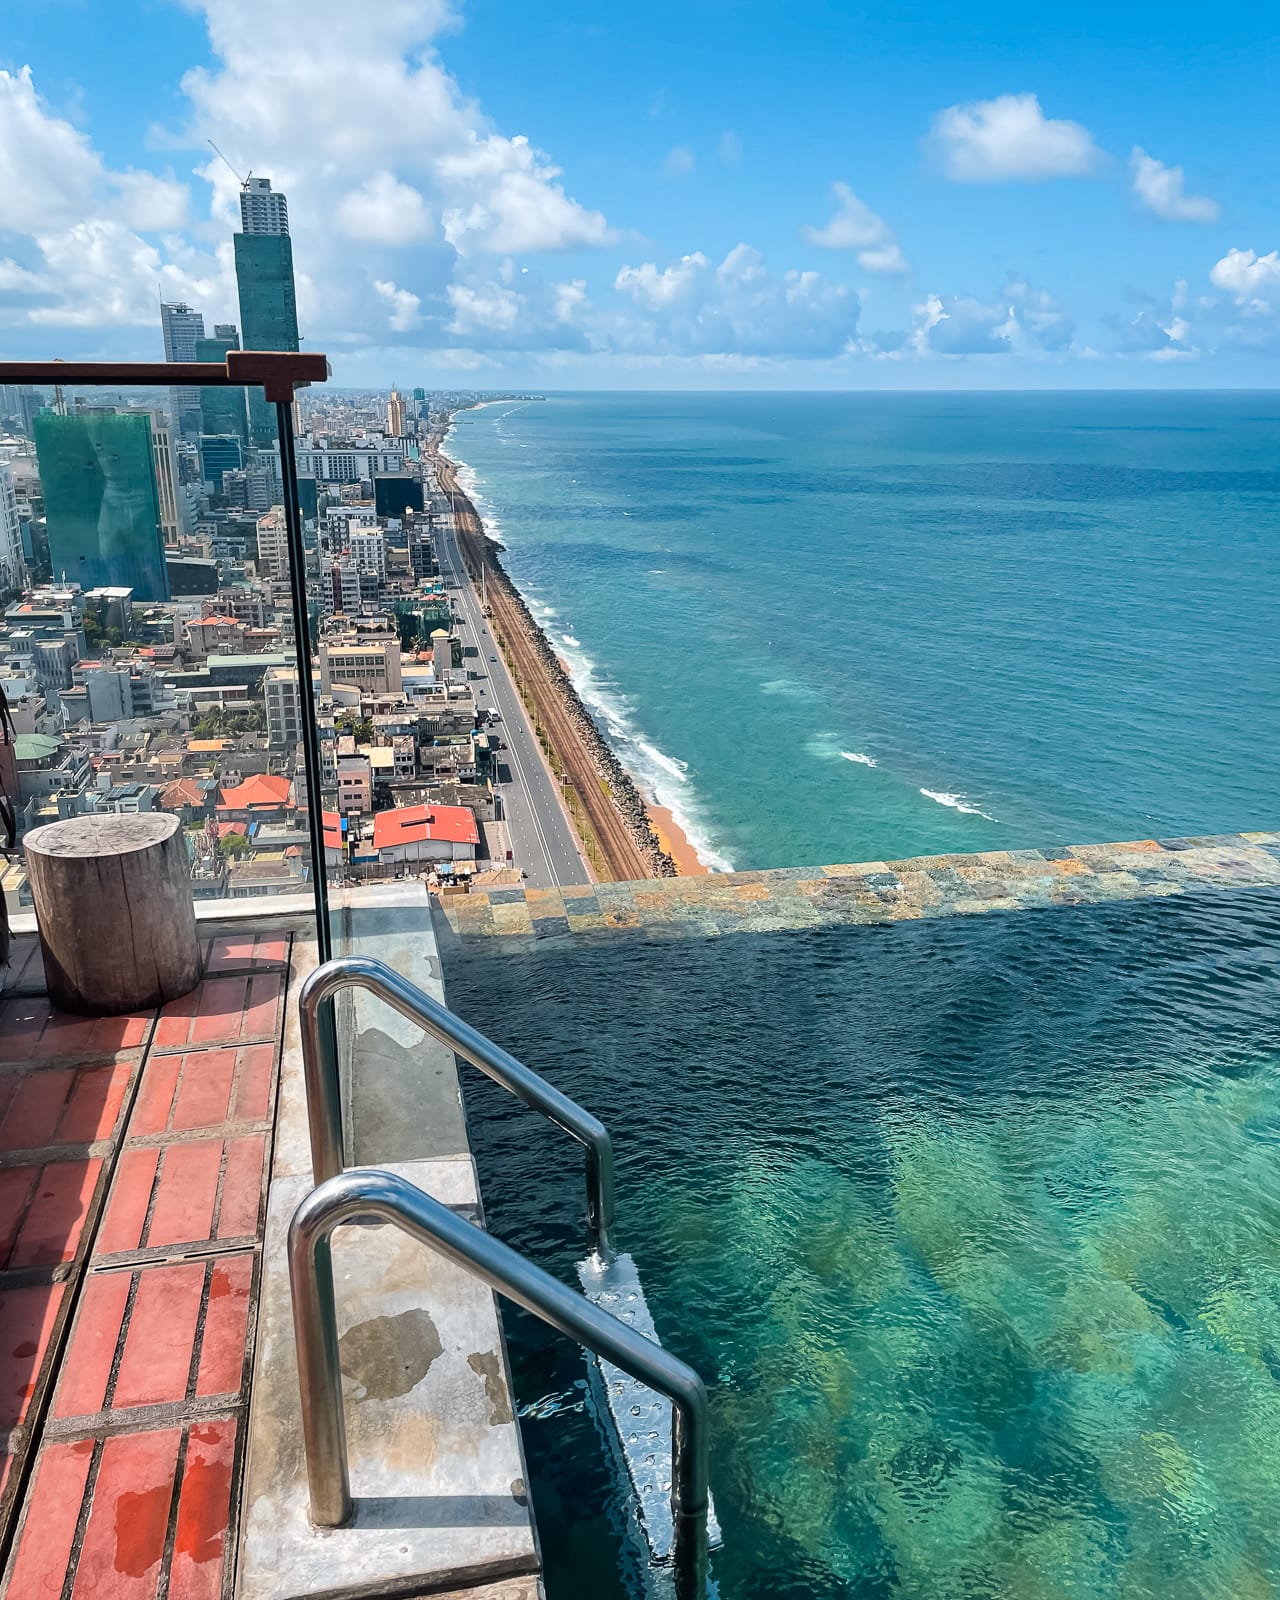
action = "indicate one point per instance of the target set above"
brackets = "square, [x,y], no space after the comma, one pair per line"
[413,824]
[181,792]
[259,790]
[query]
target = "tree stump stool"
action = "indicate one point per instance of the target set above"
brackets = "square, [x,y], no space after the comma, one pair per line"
[115,913]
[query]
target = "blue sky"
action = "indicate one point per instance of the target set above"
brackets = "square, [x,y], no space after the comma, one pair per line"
[670,196]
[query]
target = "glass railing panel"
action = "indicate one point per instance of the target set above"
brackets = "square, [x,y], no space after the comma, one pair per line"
[149,645]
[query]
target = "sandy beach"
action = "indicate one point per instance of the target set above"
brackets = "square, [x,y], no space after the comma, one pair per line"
[673,841]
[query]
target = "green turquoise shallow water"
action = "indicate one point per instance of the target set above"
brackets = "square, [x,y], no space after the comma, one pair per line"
[973,1227]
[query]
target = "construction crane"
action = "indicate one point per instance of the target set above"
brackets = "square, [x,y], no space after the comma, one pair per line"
[243,182]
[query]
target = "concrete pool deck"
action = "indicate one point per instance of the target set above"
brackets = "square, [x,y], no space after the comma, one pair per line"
[905,890]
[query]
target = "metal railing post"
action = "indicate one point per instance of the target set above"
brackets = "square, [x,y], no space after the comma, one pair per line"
[367,1192]
[306,689]
[321,1075]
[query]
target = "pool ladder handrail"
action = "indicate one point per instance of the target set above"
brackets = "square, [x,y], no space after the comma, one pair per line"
[366,1192]
[324,1089]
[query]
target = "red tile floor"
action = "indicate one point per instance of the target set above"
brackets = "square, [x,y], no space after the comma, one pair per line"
[134,1155]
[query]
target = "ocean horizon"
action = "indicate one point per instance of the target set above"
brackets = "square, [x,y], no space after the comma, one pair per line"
[826,627]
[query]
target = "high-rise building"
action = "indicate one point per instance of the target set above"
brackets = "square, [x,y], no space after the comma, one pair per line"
[284,707]
[11,563]
[369,551]
[395,414]
[264,278]
[172,519]
[181,327]
[101,500]
[273,544]
[222,410]
[220,452]
[261,211]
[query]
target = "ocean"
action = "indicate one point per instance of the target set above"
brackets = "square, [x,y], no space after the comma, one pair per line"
[849,627]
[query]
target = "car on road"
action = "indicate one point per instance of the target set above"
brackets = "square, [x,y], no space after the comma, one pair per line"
[493,658]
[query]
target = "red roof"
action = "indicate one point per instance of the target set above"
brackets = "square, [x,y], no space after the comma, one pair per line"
[413,824]
[332,824]
[260,790]
[181,792]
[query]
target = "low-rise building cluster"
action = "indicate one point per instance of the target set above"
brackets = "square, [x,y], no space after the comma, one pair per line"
[159,672]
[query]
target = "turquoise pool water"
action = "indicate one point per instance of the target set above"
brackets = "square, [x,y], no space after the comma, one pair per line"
[973,1227]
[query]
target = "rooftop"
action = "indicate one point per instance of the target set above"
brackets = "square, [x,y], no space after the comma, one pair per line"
[414,824]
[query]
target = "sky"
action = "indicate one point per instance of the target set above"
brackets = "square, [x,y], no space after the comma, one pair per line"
[668,196]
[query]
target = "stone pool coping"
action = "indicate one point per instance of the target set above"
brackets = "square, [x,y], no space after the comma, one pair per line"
[905,890]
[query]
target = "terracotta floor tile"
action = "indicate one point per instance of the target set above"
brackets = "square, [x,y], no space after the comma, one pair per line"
[160,1340]
[253,1088]
[17,1184]
[70,1035]
[124,1541]
[186,1193]
[27,1317]
[242,1187]
[91,1354]
[126,1208]
[226,1326]
[35,1109]
[204,1094]
[94,1104]
[53,1510]
[234,953]
[155,1095]
[51,1230]
[204,1510]
[224,1010]
[22,1020]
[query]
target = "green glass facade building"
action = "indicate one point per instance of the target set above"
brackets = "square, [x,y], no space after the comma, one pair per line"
[268,311]
[222,411]
[102,504]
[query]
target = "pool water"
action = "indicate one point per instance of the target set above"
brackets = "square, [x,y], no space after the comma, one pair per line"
[973,1227]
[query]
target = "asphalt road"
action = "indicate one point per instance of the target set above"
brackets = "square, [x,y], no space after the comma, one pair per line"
[542,838]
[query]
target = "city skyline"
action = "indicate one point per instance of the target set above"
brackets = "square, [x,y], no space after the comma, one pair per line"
[701,200]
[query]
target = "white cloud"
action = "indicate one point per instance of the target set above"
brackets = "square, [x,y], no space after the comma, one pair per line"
[151,204]
[992,141]
[679,160]
[653,289]
[518,205]
[384,210]
[404,306]
[855,226]
[1023,321]
[1252,280]
[733,310]
[1162,190]
[490,308]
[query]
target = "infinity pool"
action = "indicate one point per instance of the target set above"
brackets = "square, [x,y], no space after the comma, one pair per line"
[973,1227]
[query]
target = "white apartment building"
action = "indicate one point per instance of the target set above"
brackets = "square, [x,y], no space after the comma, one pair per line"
[261,210]
[12,567]
[370,665]
[284,707]
[369,551]
[349,464]
[273,544]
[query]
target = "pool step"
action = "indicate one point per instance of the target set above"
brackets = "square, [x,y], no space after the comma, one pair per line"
[641,1419]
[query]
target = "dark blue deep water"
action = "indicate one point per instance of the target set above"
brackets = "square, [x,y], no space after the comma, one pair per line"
[973,1227]
[831,628]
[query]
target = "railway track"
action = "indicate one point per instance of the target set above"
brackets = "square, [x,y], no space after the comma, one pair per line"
[623,860]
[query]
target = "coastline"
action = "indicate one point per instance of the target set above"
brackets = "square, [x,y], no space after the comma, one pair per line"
[615,821]
[675,842]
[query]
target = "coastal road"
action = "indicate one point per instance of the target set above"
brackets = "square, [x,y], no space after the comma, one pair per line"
[542,837]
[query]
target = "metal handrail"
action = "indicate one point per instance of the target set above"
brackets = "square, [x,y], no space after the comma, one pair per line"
[324,1092]
[366,1192]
